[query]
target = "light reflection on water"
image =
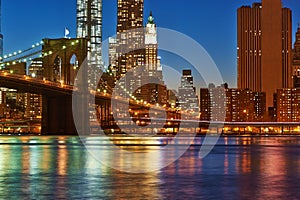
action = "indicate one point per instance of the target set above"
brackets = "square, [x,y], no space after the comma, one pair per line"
[237,168]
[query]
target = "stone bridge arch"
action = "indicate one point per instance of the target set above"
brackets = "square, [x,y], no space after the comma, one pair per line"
[64,48]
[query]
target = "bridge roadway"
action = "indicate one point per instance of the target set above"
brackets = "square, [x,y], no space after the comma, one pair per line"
[57,115]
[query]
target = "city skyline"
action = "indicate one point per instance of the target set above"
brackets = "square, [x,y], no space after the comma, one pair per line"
[22,25]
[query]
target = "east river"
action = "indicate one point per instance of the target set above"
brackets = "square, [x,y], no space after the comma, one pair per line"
[236,168]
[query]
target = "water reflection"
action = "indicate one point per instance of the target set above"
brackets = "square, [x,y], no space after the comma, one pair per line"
[237,168]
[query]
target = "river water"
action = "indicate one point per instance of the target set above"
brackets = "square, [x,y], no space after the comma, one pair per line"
[237,168]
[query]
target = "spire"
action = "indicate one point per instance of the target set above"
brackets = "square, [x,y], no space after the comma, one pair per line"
[150,18]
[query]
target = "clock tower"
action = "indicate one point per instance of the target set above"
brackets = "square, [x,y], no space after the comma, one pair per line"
[151,46]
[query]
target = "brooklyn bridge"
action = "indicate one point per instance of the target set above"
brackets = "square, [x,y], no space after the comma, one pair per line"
[57,92]
[58,99]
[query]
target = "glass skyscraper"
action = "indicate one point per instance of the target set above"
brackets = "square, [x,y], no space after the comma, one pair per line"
[89,25]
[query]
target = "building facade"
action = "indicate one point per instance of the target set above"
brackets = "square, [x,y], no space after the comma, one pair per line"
[151,46]
[287,103]
[187,98]
[112,51]
[264,48]
[89,26]
[232,105]
[130,36]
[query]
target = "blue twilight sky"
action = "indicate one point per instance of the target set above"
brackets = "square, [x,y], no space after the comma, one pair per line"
[212,23]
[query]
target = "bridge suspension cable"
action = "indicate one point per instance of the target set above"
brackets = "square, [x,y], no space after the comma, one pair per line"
[32,55]
[17,53]
[21,59]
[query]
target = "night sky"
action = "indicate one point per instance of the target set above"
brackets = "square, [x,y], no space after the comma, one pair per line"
[212,23]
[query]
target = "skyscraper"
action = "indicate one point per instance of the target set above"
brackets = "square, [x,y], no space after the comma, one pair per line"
[264,48]
[188,100]
[151,46]
[89,25]
[130,35]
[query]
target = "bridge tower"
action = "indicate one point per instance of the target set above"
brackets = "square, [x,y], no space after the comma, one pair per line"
[57,58]
[57,115]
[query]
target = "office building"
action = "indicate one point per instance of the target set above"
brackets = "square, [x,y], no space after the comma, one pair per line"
[149,79]
[264,48]
[89,26]
[287,104]
[130,36]
[232,105]
[212,103]
[187,98]
[151,45]
[112,51]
